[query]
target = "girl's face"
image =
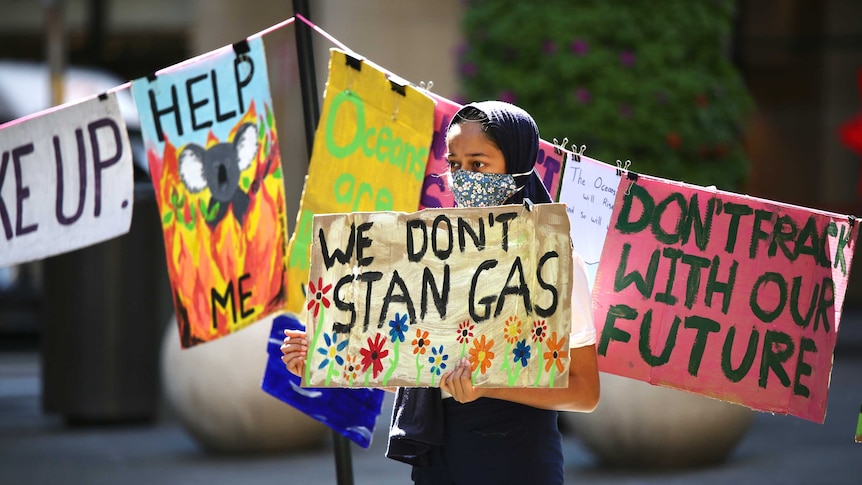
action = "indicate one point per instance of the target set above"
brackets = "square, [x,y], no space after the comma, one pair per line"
[470,149]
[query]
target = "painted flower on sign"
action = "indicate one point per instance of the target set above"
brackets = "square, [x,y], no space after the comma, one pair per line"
[465,332]
[512,330]
[437,360]
[318,296]
[522,353]
[555,354]
[351,370]
[331,350]
[397,327]
[540,329]
[481,354]
[421,342]
[373,354]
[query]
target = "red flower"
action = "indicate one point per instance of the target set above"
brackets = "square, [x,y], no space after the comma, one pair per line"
[465,332]
[673,140]
[318,295]
[373,354]
[539,331]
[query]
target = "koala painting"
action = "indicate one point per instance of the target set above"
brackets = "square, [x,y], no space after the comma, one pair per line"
[218,168]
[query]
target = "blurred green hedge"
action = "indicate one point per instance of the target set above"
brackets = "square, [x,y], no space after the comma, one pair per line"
[652,82]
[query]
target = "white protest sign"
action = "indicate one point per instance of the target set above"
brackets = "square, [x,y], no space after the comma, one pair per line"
[399,298]
[65,180]
[588,188]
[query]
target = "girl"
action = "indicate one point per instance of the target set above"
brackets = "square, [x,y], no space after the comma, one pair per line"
[458,433]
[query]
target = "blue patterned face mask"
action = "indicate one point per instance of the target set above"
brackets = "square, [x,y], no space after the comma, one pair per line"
[479,189]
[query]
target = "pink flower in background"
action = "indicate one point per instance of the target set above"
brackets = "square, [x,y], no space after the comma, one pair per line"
[469,69]
[625,111]
[549,47]
[508,96]
[579,47]
[583,95]
[627,58]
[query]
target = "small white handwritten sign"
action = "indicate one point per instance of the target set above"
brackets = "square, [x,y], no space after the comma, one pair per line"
[588,188]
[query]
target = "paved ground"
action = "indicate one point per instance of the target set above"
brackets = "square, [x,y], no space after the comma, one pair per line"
[39,449]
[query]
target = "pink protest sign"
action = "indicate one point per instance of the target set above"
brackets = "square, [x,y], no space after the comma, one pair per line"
[724,295]
[435,191]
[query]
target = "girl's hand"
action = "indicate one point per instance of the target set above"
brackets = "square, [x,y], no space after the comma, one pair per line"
[295,350]
[457,382]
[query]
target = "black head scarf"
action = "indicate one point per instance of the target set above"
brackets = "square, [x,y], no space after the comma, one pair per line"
[517,136]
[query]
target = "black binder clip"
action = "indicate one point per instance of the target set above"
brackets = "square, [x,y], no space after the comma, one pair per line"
[398,86]
[354,62]
[633,177]
[241,48]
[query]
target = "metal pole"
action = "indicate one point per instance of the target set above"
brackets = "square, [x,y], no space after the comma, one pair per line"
[311,115]
[55,52]
[307,78]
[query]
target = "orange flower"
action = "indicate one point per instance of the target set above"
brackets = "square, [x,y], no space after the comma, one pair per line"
[513,329]
[555,353]
[350,368]
[420,342]
[481,354]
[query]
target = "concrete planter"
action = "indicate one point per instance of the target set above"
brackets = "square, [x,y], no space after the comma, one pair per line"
[214,390]
[640,426]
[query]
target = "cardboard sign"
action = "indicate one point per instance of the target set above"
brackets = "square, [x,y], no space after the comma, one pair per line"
[724,295]
[65,181]
[370,152]
[400,298]
[214,160]
[588,188]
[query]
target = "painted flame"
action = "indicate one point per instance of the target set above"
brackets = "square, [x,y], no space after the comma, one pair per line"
[203,258]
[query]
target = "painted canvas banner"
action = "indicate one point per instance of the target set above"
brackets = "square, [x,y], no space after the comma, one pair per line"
[549,166]
[396,299]
[350,412]
[435,191]
[435,188]
[370,153]
[588,188]
[65,180]
[723,295]
[214,160]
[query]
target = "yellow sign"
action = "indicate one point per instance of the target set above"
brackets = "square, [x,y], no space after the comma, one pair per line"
[370,152]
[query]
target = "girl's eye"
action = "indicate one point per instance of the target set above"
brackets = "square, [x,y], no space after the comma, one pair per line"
[454,165]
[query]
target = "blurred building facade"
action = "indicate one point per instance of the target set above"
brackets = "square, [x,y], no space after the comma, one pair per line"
[799,58]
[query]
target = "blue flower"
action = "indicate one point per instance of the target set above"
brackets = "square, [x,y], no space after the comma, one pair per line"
[522,352]
[398,326]
[438,360]
[331,350]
